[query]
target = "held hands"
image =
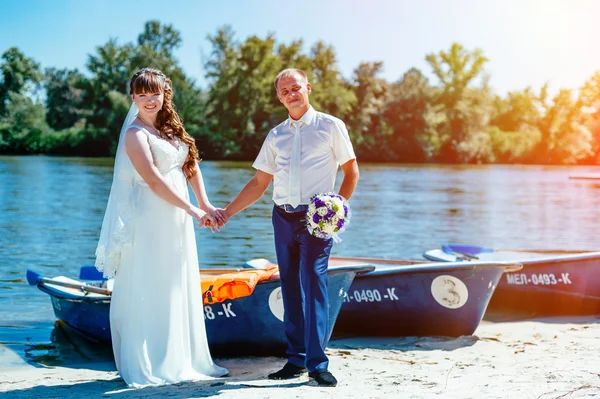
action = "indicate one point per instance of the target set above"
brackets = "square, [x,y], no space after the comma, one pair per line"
[219,221]
[213,218]
[222,215]
[204,219]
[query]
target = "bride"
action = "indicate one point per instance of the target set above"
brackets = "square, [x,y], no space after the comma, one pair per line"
[148,244]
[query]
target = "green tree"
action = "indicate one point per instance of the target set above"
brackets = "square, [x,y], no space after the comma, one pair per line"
[240,97]
[221,97]
[111,70]
[331,94]
[564,139]
[22,127]
[21,119]
[67,98]
[368,129]
[291,56]
[413,118]
[20,74]
[514,126]
[457,71]
[162,39]
[589,95]
[589,101]
[518,112]
[156,45]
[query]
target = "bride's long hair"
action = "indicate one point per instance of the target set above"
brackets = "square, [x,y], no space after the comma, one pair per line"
[148,81]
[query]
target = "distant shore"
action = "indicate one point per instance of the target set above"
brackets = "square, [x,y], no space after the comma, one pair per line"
[532,359]
[369,160]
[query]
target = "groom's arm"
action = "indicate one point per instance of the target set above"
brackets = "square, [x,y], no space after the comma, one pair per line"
[350,180]
[251,192]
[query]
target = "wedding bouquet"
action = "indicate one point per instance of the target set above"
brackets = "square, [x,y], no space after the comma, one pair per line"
[328,215]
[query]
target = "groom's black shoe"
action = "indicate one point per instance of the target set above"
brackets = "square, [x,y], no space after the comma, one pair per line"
[323,377]
[287,372]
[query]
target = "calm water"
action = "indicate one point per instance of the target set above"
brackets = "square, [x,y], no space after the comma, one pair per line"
[51,210]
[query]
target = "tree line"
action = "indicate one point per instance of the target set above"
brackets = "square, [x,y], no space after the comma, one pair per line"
[454,119]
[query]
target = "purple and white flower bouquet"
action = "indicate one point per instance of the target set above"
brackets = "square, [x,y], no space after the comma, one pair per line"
[327,216]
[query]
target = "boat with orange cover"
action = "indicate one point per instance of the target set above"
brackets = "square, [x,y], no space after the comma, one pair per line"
[243,309]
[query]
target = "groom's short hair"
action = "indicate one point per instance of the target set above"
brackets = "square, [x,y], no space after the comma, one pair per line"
[290,72]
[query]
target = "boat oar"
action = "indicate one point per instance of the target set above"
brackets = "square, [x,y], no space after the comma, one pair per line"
[464,252]
[34,278]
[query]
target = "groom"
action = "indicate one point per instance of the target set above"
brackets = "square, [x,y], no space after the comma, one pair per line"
[301,155]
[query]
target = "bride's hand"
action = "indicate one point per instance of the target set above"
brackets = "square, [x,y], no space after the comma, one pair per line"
[203,218]
[218,220]
[211,223]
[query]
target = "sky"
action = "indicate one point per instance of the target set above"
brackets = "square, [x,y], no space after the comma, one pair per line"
[527,42]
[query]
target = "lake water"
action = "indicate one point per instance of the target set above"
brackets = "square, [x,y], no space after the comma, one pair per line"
[51,210]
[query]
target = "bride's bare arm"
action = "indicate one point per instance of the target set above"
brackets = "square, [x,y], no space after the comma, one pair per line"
[197,183]
[138,150]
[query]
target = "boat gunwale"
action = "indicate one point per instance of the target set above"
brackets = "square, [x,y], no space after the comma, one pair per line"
[560,256]
[49,289]
[401,266]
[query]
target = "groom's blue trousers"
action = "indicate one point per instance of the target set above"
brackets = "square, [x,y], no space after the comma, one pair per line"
[303,261]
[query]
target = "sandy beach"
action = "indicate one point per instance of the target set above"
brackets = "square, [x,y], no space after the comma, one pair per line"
[530,359]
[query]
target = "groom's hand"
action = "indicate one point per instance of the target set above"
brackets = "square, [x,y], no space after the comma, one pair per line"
[216,223]
[222,216]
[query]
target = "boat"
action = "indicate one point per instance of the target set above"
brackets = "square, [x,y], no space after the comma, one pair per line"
[551,283]
[414,297]
[250,325]
[588,176]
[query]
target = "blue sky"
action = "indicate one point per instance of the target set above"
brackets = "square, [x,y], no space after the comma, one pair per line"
[528,42]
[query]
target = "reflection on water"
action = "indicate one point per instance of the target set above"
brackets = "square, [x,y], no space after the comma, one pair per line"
[67,347]
[51,211]
[51,343]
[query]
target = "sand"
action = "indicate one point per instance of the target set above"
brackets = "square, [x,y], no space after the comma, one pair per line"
[530,359]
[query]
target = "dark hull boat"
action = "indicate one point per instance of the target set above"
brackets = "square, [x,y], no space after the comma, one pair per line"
[251,325]
[405,297]
[551,283]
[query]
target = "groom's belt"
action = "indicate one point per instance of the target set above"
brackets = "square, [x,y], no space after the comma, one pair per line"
[291,209]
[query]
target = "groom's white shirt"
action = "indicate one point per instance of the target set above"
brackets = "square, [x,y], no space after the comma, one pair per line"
[325,145]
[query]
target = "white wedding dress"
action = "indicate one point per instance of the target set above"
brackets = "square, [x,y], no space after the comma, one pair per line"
[156,311]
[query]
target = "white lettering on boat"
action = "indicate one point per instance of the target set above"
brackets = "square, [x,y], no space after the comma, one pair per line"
[227,310]
[537,279]
[370,295]
[364,296]
[510,278]
[209,313]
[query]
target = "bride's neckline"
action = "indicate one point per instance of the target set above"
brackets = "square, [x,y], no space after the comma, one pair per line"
[174,142]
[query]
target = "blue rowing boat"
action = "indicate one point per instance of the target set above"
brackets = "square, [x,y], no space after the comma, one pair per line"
[551,283]
[251,325]
[408,297]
